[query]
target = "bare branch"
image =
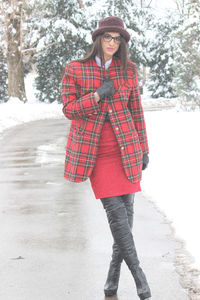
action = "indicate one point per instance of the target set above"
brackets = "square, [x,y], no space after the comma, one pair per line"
[81,5]
[149,4]
[180,4]
[38,50]
[21,13]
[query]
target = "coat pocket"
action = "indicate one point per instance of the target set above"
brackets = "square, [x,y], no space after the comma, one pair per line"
[123,92]
[79,126]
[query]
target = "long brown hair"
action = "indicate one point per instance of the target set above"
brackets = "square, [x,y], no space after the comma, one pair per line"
[122,53]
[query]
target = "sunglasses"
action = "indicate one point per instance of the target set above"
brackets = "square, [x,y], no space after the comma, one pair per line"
[107,38]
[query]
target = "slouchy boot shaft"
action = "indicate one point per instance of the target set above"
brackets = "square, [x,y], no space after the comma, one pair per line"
[121,232]
[111,285]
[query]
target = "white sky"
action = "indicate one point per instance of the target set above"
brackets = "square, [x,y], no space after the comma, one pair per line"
[160,6]
[163,4]
[154,3]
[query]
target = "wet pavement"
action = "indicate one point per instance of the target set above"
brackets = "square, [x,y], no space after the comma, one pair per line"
[55,242]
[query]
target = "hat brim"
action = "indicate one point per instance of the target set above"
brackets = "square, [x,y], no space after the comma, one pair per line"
[122,31]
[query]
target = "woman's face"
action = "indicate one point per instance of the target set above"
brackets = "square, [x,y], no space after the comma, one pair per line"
[109,47]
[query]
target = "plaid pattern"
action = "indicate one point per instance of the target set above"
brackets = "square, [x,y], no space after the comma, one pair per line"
[87,116]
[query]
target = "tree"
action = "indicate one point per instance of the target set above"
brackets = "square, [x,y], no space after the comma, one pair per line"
[3,77]
[68,31]
[12,10]
[161,58]
[3,68]
[186,80]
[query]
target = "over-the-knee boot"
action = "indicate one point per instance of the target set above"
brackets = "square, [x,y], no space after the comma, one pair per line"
[112,281]
[118,221]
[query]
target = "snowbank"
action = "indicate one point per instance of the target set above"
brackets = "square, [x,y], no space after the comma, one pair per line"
[15,112]
[172,177]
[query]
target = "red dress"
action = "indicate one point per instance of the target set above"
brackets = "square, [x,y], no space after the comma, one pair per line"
[108,177]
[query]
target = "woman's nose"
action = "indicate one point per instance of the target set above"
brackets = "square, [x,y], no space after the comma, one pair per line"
[112,42]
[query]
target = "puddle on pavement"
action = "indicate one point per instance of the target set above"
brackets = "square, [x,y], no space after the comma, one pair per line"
[49,153]
[26,209]
[24,182]
[17,166]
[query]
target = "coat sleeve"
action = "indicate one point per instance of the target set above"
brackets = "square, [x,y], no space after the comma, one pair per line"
[75,107]
[135,107]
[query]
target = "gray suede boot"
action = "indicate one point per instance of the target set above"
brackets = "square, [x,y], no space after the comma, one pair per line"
[111,285]
[121,232]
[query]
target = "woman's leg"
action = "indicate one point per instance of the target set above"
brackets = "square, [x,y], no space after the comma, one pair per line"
[121,232]
[111,285]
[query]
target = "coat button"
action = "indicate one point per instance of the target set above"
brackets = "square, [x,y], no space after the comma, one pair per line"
[122,148]
[110,110]
[116,128]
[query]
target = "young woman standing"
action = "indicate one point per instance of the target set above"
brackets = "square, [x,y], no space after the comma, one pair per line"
[107,141]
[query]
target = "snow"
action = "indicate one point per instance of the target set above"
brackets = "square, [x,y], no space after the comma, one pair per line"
[171,180]
[15,112]
[41,44]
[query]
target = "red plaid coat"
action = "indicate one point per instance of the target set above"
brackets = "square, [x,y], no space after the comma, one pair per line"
[79,82]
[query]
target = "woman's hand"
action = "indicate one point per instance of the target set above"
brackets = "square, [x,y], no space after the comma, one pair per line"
[107,89]
[145,161]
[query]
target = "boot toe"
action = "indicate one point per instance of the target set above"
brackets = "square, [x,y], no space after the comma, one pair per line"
[110,293]
[145,296]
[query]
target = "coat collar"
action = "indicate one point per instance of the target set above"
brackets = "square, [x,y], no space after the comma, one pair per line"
[94,64]
[107,64]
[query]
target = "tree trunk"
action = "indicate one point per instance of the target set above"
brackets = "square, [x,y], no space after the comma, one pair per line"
[81,5]
[13,16]
[144,75]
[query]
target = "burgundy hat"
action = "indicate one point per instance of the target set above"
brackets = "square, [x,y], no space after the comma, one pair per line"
[112,24]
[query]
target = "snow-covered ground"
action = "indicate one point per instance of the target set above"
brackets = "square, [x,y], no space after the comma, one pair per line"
[171,180]
[15,112]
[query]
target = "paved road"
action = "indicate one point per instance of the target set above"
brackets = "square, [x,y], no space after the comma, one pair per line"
[55,243]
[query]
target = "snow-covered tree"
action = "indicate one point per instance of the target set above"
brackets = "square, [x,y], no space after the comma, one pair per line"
[3,66]
[3,77]
[186,80]
[161,57]
[67,30]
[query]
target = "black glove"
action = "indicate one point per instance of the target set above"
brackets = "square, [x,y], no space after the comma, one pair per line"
[107,89]
[145,161]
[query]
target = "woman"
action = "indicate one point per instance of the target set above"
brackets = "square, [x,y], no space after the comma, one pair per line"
[107,141]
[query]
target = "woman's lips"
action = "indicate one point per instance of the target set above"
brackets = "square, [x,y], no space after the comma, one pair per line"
[110,49]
